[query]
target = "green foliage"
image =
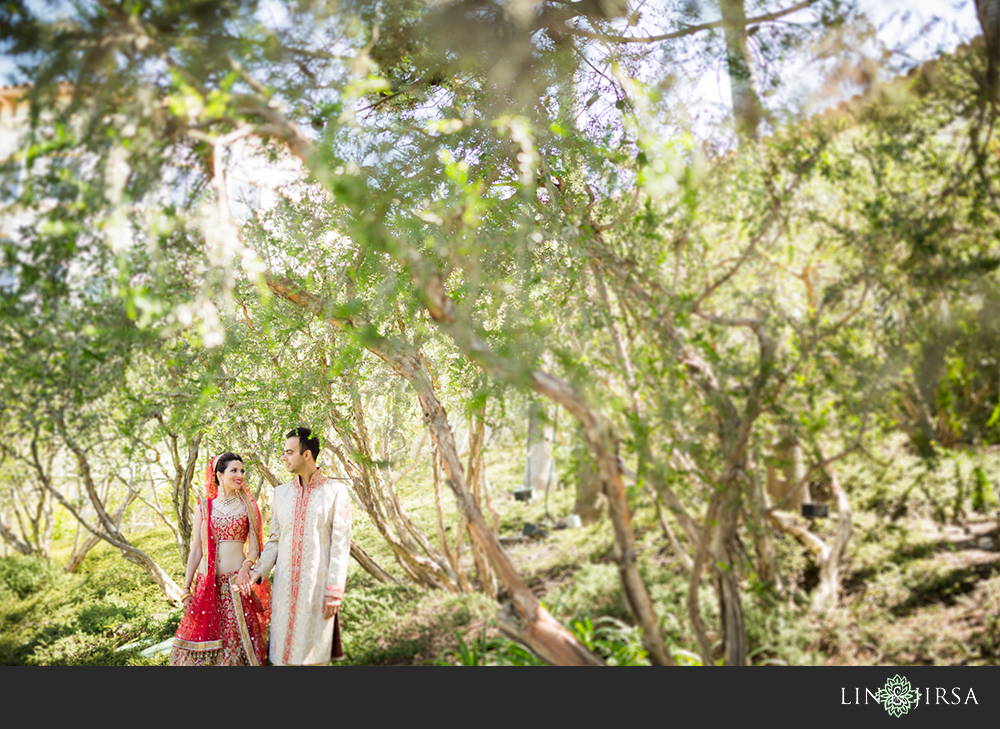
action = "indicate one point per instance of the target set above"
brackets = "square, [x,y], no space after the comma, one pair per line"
[401,624]
[471,655]
[86,618]
[595,588]
[109,614]
[780,634]
[23,576]
[983,498]
[893,566]
[614,640]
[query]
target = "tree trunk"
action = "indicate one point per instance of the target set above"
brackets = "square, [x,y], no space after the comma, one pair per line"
[108,528]
[423,571]
[528,622]
[917,420]
[161,578]
[591,502]
[538,461]
[34,512]
[477,468]
[11,538]
[829,554]
[828,591]
[441,530]
[682,556]
[758,525]
[80,551]
[370,566]
[44,517]
[719,550]
[746,104]
[383,508]
[716,536]
[989,19]
[477,476]
[790,489]
[405,528]
[725,554]
[181,496]
[597,434]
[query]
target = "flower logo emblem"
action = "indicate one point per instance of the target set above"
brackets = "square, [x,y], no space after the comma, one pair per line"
[898,697]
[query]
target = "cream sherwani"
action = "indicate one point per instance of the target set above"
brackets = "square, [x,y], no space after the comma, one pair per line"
[309,546]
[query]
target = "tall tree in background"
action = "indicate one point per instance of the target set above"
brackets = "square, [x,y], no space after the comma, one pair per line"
[743,90]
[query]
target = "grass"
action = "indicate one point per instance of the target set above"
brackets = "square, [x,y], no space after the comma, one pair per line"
[88,617]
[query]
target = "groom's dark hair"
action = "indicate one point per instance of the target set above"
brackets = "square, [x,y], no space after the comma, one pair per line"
[306,443]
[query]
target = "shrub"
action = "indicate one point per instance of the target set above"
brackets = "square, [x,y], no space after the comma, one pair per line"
[23,576]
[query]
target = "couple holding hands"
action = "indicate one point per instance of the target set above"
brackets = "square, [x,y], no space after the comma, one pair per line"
[229,604]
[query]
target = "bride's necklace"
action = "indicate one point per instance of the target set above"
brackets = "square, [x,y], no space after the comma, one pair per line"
[226,504]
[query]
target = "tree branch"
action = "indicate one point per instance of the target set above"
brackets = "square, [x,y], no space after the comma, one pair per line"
[690,29]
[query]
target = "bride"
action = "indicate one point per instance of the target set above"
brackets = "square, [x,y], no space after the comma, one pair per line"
[225,617]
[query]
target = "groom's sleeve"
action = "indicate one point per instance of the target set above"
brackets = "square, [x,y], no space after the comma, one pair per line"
[340,546]
[269,554]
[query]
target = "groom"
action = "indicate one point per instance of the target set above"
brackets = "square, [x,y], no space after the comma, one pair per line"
[310,545]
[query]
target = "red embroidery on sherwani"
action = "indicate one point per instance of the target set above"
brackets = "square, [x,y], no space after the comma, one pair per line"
[344,510]
[298,534]
[335,592]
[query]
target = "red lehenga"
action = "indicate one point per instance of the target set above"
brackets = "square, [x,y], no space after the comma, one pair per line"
[222,627]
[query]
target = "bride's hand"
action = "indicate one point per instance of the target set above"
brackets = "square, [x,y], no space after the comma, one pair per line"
[243,580]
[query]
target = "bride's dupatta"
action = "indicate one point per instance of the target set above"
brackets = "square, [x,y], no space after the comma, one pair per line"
[261,592]
[201,626]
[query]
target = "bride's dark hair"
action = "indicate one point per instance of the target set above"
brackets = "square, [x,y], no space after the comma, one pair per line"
[224,460]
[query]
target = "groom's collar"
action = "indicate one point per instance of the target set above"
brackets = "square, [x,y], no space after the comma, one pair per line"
[315,480]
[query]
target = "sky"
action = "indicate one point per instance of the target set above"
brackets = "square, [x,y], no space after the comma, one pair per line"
[902,20]
[914,30]
[917,30]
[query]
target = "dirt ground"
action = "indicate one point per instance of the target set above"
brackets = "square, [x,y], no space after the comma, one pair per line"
[951,617]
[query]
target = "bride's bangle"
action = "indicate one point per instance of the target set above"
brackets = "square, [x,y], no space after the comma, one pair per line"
[247,562]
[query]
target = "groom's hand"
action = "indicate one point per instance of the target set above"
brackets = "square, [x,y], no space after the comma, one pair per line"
[330,608]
